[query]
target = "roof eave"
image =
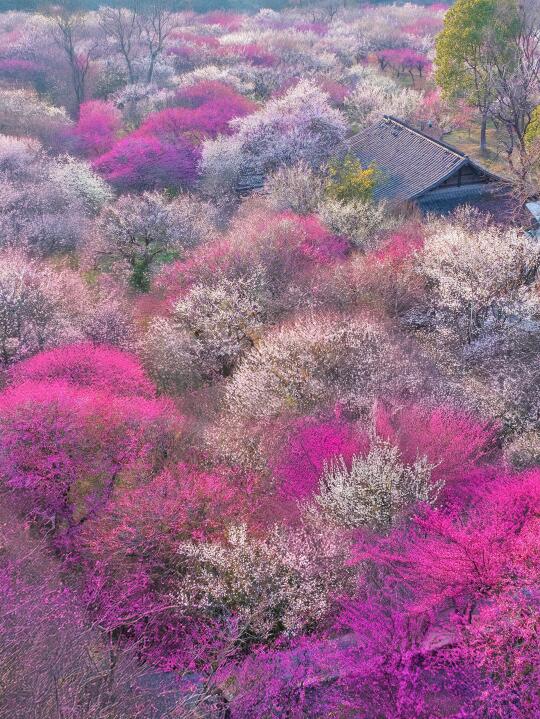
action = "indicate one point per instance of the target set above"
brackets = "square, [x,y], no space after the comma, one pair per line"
[442,179]
[459,166]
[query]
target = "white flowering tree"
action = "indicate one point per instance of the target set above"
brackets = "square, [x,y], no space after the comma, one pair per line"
[376,95]
[23,112]
[281,583]
[478,275]
[376,490]
[316,361]
[300,126]
[46,204]
[207,332]
[297,188]
[39,308]
[140,232]
[362,222]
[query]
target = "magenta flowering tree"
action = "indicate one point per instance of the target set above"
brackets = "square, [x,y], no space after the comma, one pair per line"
[208,91]
[228,20]
[317,243]
[89,366]
[404,60]
[63,447]
[455,443]
[16,69]
[206,110]
[130,553]
[145,522]
[206,120]
[400,246]
[139,162]
[53,658]
[164,151]
[311,444]
[96,128]
[254,53]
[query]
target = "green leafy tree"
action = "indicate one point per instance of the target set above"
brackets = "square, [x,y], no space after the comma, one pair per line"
[475,34]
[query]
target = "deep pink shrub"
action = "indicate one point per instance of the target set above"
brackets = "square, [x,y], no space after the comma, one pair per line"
[502,644]
[451,619]
[96,129]
[253,53]
[208,91]
[135,607]
[228,20]
[15,69]
[400,245]
[454,442]
[207,113]
[146,521]
[193,39]
[310,444]
[286,243]
[129,548]
[203,263]
[317,244]
[106,369]
[140,162]
[404,60]
[164,151]
[297,242]
[468,556]
[336,91]
[63,447]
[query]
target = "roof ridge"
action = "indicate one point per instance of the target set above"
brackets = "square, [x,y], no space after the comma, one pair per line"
[440,143]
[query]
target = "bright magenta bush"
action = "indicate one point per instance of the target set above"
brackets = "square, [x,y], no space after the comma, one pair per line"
[310,445]
[64,447]
[453,442]
[96,129]
[317,243]
[139,162]
[105,369]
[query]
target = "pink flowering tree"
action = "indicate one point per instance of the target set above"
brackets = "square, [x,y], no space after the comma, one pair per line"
[145,162]
[64,448]
[96,128]
[455,443]
[105,369]
[404,60]
[310,445]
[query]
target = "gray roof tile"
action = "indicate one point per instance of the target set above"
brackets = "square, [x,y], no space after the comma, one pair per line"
[410,162]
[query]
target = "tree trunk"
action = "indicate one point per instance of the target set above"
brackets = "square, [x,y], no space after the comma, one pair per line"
[483,134]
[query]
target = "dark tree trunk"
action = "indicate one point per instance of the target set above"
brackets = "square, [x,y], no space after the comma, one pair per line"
[483,134]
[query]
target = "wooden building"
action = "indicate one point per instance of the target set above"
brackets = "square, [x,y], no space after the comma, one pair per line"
[416,168]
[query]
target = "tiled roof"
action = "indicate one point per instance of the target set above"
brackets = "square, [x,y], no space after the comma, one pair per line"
[411,163]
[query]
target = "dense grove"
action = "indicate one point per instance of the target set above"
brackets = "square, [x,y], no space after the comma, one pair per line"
[273,456]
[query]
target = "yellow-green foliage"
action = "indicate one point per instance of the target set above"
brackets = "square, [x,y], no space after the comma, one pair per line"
[475,31]
[532,133]
[350,181]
